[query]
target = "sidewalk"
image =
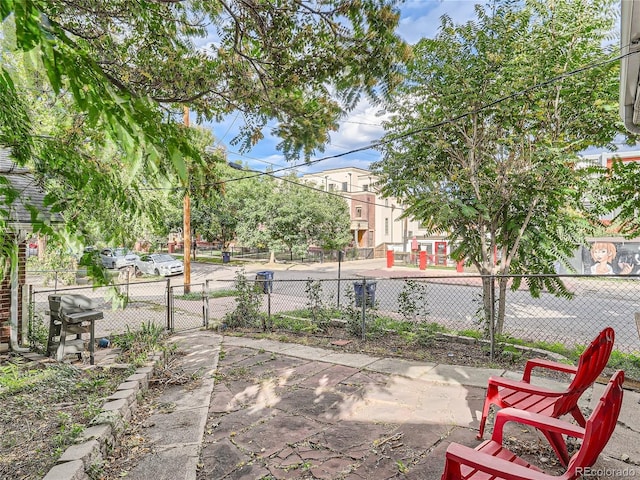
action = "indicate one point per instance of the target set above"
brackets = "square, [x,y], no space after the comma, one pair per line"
[264,409]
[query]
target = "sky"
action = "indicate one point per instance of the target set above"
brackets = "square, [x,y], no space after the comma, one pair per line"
[361,127]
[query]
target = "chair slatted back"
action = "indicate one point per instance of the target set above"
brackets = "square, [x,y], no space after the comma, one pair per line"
[590,366]
[600,426]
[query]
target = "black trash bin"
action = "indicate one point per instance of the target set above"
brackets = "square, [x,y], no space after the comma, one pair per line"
[226,257]
[370,293]
[265,279]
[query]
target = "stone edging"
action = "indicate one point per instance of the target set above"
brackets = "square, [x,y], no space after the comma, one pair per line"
[104,430]
[470,341]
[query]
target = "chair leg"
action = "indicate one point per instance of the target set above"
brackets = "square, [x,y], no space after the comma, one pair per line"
[485,413]
[579,417]
[557,442]
[63,340]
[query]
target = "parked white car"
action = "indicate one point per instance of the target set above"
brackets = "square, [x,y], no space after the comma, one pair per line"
[118,258]
[159,264]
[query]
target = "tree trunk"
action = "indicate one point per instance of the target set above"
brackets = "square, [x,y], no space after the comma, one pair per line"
[502,304]
[487,304]
[272,256]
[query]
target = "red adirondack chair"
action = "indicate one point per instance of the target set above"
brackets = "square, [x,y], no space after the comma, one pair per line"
[490,460]
[522,395]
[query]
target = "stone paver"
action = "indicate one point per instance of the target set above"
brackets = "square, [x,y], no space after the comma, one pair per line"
[262,409]
[303,412]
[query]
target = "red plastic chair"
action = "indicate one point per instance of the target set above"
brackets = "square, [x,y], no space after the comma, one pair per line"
[490,460]
[522,395]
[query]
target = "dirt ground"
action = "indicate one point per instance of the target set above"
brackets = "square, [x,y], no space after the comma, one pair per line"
[40,420]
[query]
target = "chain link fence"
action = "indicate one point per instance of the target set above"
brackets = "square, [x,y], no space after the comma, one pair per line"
[452,302]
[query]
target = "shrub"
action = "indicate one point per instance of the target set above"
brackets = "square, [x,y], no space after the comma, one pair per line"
[248,301]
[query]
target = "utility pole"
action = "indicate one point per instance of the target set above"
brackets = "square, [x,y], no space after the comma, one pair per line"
[186,229]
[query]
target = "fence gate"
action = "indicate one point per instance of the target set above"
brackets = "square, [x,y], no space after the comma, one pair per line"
[187,307]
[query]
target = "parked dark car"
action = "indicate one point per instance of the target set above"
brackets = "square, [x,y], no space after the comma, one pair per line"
[159,264]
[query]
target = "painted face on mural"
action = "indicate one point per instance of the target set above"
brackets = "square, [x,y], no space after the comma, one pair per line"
[600,255]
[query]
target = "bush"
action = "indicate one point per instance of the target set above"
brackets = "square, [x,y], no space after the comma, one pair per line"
[248,301]
[136,345]
[320,313]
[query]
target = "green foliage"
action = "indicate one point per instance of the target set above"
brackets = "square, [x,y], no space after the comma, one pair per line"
[294,323]
[618,194]
[320,314]
[352,314]
[423,334]
[498,174]
[38,335]
[106,137]
[628,362]
[222,293]
[248,301]
[67,431]
[285,215]
[412,300]
[56,266]
[471,334]
[137,345]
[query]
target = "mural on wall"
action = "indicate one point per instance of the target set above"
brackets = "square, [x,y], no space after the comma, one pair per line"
[608,258]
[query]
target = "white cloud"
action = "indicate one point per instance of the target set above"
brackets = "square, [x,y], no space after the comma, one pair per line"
[421,18]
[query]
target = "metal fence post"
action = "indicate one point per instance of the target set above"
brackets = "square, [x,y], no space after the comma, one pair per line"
[169,306]
[269,307]
[492,319]
[364,307]
[339,265]
[205,293]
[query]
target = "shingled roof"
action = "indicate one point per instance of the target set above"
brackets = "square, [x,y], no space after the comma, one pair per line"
[31,195]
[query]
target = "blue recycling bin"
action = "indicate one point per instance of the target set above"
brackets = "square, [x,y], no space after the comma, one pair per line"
[370,293]
[265,279]
[226,256]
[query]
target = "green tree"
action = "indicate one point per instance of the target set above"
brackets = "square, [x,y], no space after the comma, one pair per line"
[498,172]
[283,214]
[124,70]
[620,195]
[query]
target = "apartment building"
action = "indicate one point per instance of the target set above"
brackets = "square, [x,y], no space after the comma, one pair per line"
[376,221]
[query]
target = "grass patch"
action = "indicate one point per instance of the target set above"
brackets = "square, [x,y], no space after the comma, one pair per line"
[223,293]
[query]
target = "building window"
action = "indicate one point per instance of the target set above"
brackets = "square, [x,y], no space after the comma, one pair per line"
[386,226]
[365,188]
[358,212]
[345,186]
[386,202]
[332,187]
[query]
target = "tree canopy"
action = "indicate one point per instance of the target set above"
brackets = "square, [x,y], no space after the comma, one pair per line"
[114,77]
[485,133]
[285,214]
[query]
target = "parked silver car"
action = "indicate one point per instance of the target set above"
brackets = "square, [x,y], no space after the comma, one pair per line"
[117,258]
[159,264]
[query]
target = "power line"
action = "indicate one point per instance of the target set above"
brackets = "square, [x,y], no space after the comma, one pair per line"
[382,142]
[486,106]
[329,192]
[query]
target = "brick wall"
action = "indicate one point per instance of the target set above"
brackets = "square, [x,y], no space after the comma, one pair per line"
[5,295]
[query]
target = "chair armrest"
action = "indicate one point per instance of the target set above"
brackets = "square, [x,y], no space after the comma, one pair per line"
[541,422]
[549,364]
[522,386]
[498,467]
